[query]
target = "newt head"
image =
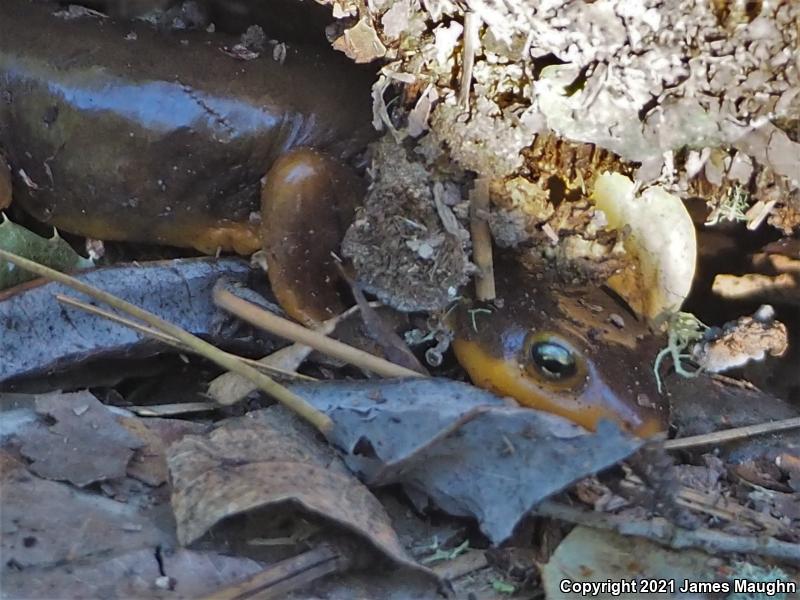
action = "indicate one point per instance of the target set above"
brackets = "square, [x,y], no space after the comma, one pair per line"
[570,350]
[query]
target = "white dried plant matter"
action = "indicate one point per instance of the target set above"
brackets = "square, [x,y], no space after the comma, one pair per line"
[651,76]
[692,92]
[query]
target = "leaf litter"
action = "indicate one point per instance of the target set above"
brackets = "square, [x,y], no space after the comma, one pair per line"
[266,461]
[68,449]
[609,57]
[31,314]
[458,448]
[462,447]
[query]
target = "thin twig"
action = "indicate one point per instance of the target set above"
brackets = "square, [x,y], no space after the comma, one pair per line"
[482,241]
[286,576]
[393,346]
[270,370]
[247,311]
[472,24]
[229,388]
[228,361]
[662,531]
[729,435]
[469,562]
[719,506]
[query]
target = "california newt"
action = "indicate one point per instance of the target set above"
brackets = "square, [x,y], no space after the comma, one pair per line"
[570,350]
[123,133]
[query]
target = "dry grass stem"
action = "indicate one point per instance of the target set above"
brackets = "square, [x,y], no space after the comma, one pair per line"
[289,330]
[229,387]
[228,361]
[730,435]
[482,241]
[170,410]
[268,369]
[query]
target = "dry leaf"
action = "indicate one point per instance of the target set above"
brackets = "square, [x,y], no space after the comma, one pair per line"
[592,555]
[462,447]
[30,314]
[86,444]
[725,405]
[268,461]
[149,463]
[361,43]
[135,574]
[48,523]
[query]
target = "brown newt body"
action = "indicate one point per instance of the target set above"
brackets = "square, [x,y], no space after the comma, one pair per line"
[156,137]
[556,348]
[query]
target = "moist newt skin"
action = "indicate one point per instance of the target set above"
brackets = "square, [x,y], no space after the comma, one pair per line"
[298,248]
[554,348]
[156,140]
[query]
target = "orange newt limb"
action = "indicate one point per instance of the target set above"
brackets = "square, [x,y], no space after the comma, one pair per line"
[554,348]
[308,201]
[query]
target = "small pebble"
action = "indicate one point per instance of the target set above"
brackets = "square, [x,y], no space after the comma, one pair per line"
[644,400]
[165,583]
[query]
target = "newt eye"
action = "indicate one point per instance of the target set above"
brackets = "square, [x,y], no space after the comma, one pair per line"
[553,360]
[554,363]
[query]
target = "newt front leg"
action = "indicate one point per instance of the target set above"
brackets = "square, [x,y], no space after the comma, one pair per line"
[307,203]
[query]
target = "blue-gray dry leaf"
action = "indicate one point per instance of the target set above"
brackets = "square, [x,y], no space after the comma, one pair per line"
[38,334]
[86,444]
[462,447]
